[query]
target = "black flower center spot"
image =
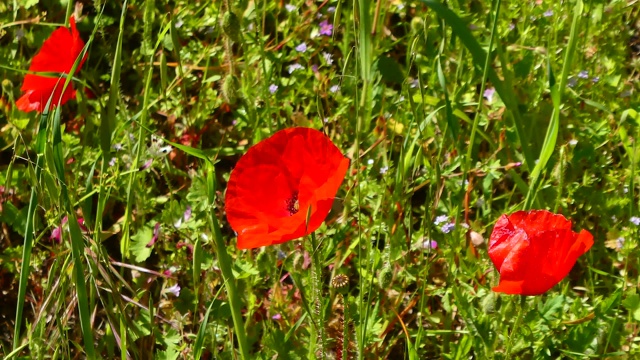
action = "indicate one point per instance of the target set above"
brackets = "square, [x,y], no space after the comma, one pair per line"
[292,204]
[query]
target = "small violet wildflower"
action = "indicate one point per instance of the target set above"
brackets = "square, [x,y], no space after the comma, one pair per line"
[302,47]
[620,243]
[635,220]
[414,83]
[175,290]
[146,165]
[595,79]
[328,58]
[440,219]
[187,213]
[273,88]
[334,88]
[448,227]
[156,234]
[572,82]
[117,147]
[314,68]
[488,93]
[430,245]
[294,67]
[584,74]
[331,9]
[384,169]
[276,317]
[112,162]
[326,29]
[290,8]
[548,13]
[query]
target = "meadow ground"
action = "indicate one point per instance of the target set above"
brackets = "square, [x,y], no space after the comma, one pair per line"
[116,242]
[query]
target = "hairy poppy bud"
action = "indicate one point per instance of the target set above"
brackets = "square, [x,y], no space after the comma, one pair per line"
[231,27]
[385,277]
[231,88]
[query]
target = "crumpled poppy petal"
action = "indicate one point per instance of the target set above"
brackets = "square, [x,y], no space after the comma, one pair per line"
[57,55]
[534,250]
[283,187]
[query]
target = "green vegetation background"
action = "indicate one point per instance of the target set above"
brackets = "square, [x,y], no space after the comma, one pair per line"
[452,115]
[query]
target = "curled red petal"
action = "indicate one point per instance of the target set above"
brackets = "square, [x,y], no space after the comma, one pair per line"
[57,55]
[534,250]
[284,187]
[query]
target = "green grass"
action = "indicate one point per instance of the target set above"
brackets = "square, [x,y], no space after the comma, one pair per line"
[400,88]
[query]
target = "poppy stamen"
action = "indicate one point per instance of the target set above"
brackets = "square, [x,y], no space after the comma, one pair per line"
[292,204]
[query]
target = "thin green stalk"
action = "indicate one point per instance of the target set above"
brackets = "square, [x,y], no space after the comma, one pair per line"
[557,90]
[316,276]
[224,261]
[516,325]
[28,232]
[485,70]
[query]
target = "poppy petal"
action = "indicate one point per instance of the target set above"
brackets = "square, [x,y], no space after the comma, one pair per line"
[534,250]
[57,55]
[283,187]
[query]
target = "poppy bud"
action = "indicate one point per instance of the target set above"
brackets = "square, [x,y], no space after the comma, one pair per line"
[231,89]
[231,27]
[385,277]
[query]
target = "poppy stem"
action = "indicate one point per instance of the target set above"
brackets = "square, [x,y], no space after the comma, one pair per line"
[224,262]
[516,324]
[316,274]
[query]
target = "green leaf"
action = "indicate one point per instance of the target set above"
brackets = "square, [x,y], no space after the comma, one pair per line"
[139,243]
[551,307]
[632,304]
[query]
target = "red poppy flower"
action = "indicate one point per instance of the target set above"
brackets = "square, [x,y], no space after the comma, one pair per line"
[281,180]
[534,250]
[57,55]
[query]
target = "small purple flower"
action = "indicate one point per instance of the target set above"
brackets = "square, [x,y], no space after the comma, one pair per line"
[326,29]
[294,67]
[448,227]
[572,82]
[595,79]
[328,58]
[301,48]
[488,93]
[512,26]
[331,9]
[635,220]
[273,88]
[384,169]
[334,88]
[314,68]
[290,8]
[414,83]
[187,213]
[548,13]
[112,162]
[56,235]
[175,290]
[146,165]
[156,234]
[276,317]
[117,146]
[584,74]
[440,219]
[620,243]
[430,245]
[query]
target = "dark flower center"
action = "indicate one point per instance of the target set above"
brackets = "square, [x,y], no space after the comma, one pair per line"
[292,203]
